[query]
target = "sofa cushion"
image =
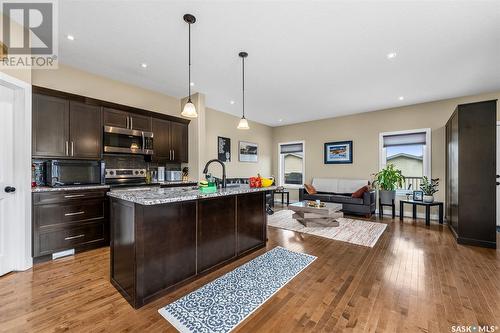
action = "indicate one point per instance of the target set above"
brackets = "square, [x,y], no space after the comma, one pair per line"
[346,199]
[338,185]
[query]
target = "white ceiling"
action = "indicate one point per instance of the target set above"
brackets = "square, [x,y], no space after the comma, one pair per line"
[307,59]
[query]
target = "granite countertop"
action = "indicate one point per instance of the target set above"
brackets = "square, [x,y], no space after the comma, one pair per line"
[68,188]
[157,196]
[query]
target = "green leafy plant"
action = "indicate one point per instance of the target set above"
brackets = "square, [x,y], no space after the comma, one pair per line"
[388,179]
[429,187]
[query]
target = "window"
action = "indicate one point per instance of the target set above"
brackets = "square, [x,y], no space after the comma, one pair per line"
[410,152]
[291,168]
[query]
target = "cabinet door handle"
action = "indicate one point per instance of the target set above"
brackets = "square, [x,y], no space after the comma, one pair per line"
[131,123]
[72,148]
[67,148]
[74,196]
[127,123]
[173,154]
[75,213]
[73,237]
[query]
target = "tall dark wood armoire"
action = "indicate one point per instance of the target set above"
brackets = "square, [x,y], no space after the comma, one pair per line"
[471,173]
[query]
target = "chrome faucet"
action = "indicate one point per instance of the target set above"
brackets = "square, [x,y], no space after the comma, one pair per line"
[205,170]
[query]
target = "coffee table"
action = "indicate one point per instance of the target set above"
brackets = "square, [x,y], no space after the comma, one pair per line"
[317,216]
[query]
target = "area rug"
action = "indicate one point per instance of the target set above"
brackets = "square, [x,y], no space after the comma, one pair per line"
[222,304]
[357,232]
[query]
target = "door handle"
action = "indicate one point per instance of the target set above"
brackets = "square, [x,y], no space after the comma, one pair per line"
[74,196]
[73,237]
[75,213]
[127,123]
[170,154]
[131,123]
[72,148]
[67,148]
[9,189]
[173,154]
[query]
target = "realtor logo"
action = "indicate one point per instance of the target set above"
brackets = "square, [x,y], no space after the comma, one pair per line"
[29,33]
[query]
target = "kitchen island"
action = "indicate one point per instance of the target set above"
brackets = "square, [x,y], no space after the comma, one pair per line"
[163,238]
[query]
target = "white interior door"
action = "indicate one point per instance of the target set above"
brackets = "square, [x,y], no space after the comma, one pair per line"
[8,195]
[15,161]
[498,173]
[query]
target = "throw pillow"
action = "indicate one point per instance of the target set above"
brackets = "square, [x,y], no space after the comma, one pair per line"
[310,189]
[359,193]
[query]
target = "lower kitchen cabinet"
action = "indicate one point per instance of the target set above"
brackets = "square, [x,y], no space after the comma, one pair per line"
[66,220]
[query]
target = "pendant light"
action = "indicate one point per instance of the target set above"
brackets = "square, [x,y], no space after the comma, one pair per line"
[189,109]
[243,124]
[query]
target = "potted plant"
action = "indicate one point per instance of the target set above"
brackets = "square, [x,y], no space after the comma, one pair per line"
[429,187]
[387,181]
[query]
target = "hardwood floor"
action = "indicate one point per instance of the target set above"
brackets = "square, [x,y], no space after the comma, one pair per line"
[416,279]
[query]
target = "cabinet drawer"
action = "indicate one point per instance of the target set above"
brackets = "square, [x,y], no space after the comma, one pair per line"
[61,213]
[53,197]
[70,237]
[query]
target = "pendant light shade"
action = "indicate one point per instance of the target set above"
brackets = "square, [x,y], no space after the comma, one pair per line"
[189,110]
[243,124]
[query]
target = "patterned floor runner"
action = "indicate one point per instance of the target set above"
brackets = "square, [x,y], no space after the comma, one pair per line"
[222,304]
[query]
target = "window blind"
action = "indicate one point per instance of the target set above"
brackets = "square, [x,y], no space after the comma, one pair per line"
[404,139]
[291,148]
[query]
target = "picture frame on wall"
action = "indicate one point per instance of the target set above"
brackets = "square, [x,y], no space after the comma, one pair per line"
[338,152]
[418,196]
[248,152]
[224,149]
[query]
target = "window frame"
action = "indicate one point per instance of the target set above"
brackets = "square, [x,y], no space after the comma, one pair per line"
[426,154]
[281,160]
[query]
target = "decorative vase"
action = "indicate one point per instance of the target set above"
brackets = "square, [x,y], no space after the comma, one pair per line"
[386,197]
[428,198]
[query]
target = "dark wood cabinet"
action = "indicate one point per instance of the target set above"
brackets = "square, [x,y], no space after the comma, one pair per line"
[69,219]
[85,130]
[123,119]
[65,129]
[216,232]
[50,126]
[179,142]
[161,140]
[157,248]
[115,118]
[251,211]
[471,173]
[170,141]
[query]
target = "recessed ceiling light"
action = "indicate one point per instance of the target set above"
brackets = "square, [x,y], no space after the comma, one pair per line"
[391,55]
[70,37]
[192,84]
[280,120]
[401,98]
[144,65]
[231,102]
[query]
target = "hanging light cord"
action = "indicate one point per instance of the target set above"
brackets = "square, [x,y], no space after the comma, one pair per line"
[189,56]
[243,61]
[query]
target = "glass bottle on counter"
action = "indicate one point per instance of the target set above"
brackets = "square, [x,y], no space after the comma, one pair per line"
[148,175]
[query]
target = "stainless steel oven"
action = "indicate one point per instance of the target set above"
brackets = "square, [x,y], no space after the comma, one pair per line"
[74,172]
[127,141]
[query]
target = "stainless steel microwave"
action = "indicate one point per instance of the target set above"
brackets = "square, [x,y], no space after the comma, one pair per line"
[74,172]
[127,141]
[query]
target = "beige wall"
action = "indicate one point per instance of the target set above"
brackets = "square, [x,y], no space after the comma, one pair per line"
[364,130]
[222,124]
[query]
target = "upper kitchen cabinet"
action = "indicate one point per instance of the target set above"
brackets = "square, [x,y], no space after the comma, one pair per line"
[50,126]
[118,118]
[65,129]
[179,141]
[170,142]
[85,130]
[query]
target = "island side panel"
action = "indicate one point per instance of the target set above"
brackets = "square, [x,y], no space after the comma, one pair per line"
[216,231]
[252,221]
[166,247]
[122,248]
